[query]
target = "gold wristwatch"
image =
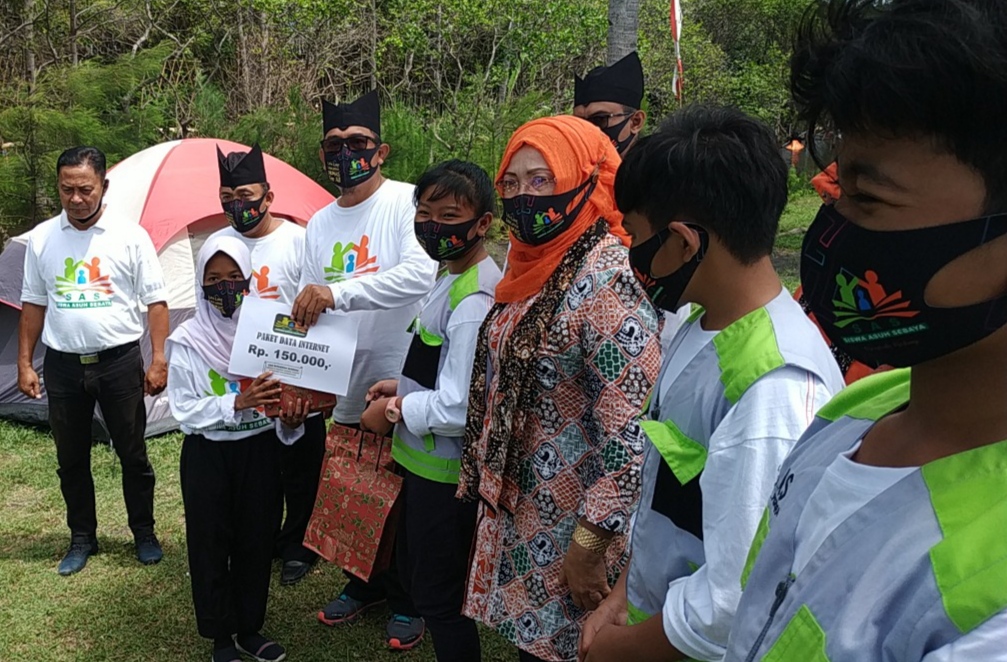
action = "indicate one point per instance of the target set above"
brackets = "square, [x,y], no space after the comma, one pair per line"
[590,540]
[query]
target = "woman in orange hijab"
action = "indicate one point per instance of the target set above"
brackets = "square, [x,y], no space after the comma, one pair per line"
[565,361]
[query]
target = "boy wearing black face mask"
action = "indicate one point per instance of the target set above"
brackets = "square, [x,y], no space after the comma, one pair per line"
[741,381]
[428,404]
[884,538]
[277,250]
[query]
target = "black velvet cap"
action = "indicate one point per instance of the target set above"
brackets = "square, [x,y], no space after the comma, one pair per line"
[365,112]
[240,168]
[620,83]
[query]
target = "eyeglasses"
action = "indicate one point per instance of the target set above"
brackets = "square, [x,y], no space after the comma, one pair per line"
[601,120]
[508,187]
[354,143]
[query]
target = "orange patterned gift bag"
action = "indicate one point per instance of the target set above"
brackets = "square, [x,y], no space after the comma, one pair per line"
[353,523]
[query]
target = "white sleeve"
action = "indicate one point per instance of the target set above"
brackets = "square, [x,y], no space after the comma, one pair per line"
[746,452]
[442,411]
[189,406]
[33,288]
[310,268]
[986,643]
[406,283]
[148,279]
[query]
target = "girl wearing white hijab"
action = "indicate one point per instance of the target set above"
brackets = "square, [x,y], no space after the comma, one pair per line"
[229,466]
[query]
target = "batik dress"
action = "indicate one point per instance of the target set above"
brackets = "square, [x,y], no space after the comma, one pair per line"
[579,454]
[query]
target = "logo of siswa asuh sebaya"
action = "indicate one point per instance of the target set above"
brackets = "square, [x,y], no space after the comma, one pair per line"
[263,289]
[447,243]
[358,168]
[82,285]
[285,325]
[351,259]
[546,222]
[865,299]
[220,385]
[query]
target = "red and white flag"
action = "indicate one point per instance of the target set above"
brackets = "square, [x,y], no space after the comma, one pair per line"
[675,16]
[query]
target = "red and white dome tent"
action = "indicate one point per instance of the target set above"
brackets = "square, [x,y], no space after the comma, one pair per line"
[170,189]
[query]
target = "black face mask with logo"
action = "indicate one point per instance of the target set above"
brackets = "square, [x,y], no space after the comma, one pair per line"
[538,219]
[227,295]
[665,292]
[866,288]
[348,168]
[443,241]
[244,215]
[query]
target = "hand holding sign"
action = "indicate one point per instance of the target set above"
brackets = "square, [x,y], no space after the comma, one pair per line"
[269,338]
[311,303]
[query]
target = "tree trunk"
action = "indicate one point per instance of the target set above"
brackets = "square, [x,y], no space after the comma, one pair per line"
[73,32]
[29,41]
[623,18]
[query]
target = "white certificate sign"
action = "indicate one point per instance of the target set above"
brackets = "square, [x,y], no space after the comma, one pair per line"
[318,358]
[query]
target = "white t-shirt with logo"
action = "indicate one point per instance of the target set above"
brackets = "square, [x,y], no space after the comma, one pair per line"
[92,282]
[277,260]
[369,257]
[202,401]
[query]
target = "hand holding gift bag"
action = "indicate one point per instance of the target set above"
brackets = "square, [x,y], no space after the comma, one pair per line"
[353,524]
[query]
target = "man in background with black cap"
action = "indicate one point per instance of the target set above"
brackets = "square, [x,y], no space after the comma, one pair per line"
[363,258]
[277,250]
[610,98]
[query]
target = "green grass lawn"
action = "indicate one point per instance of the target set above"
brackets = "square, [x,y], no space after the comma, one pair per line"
[117,609]
[797,216]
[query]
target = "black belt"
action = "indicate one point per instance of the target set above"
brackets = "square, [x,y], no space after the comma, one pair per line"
[96,357]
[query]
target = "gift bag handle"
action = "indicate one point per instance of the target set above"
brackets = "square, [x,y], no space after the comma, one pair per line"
[370,436]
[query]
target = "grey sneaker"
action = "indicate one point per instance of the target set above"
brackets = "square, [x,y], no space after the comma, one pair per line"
[344,610]
[404,633]
[259,648]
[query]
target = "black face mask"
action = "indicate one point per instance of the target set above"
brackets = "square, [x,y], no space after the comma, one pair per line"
[348,168]
[613,134]
[87,219]
[244,215]
[866,288]
[226,295]
[665,291]
[538,219]
[444,242]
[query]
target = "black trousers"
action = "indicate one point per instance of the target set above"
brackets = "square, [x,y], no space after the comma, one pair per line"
[433,545]
[383,586]
[300,469]
[116,384]
[233,503]
[524,656]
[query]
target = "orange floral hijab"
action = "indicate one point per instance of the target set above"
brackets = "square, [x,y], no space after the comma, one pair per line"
[575,150]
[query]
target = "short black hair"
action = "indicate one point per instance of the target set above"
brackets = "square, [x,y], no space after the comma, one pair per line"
[909,68]
[83,155]
[713,165]
[463,180]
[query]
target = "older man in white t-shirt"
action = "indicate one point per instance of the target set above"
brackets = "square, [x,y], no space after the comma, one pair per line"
[363,259]
[87,276]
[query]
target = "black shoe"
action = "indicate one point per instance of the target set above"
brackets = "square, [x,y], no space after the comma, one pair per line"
[226,654]
[148,550]
[77,556]
[294,571]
